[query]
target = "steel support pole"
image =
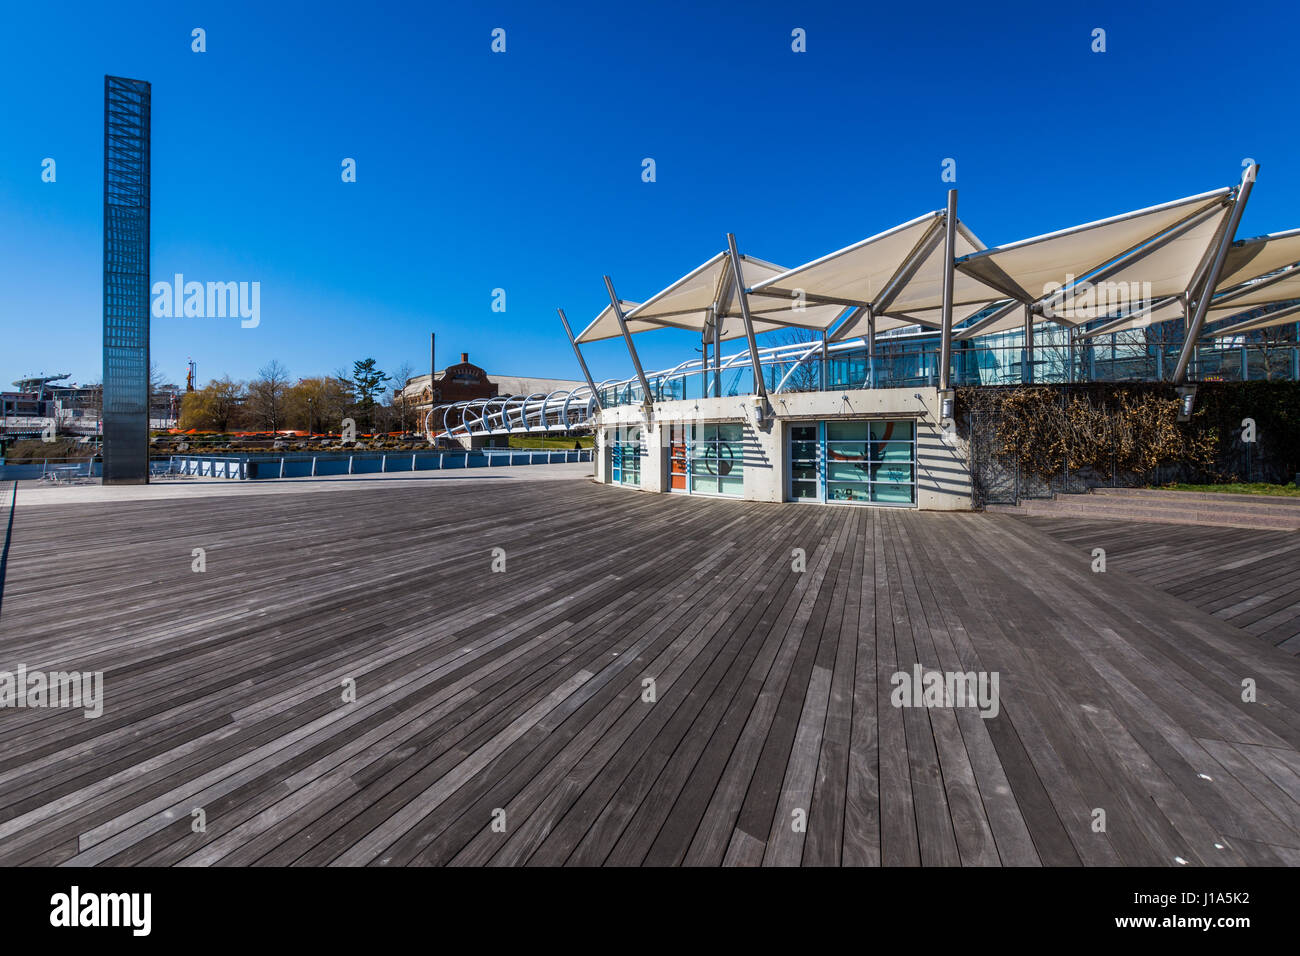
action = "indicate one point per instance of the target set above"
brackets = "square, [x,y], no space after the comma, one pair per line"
[760,387]
[717,357]
[647,398]
[1188,307]
[1027,368]
[578,353]
[704,359]
[871,347]
[949,259]
[1212,277]
[826,358]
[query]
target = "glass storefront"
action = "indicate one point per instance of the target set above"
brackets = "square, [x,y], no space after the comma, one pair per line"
[625,457]
[716,460]
[865,462]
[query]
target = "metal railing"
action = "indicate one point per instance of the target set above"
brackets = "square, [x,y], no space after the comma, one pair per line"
[262,467]
[910,361]
[565,410]
[47,468]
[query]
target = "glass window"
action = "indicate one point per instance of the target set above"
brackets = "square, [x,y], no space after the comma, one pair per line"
[717,460]
[805,458]
[847,463]
[854,461]
[893,457]
[625,456]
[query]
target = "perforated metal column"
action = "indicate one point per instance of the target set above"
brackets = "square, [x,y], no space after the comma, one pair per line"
[126,281]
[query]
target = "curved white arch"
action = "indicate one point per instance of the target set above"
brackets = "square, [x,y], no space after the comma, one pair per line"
[558,410]
[803,358]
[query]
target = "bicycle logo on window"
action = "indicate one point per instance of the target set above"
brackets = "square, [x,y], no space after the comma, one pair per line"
[724,460]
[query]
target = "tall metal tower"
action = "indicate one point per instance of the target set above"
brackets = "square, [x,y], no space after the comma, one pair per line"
[126,281]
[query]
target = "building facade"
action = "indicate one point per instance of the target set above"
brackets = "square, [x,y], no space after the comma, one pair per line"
[857,407]
[879,447]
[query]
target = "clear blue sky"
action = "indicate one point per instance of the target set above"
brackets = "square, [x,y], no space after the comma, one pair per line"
[523,170]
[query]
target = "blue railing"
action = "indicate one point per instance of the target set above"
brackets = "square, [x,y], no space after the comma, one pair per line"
[261,467]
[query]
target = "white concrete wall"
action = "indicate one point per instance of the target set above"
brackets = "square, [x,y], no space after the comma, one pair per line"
[600,457]
[943,475]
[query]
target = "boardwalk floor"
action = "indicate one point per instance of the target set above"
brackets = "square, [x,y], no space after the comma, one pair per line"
[1247,577]
[505,717]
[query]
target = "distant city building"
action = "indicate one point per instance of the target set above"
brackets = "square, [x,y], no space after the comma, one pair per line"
[465,381]
[77,407]
[22,405]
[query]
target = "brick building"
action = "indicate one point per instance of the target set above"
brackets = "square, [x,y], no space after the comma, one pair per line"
[465,381]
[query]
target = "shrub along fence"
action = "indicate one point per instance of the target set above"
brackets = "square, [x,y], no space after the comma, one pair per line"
[1038,441]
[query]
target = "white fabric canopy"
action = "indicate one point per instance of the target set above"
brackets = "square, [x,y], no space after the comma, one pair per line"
[693,292]
[1133,266]
[689,303]
[1247,261]
[856,274]
[924,290]
[1224,308]
[1009,316]
[1251,258]
[1030,268]
[605,325]
[934,317]
[1162,310]
[898,273]
[855,326]
[1287,316]
[1259,293]
[1162,268]
[1281,291]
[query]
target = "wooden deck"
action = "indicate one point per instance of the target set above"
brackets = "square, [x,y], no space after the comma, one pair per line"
[522,691]
[1247,577]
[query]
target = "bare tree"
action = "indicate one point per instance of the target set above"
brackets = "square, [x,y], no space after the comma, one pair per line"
[401,378]
[807,376]
[267,396]
[1274,347]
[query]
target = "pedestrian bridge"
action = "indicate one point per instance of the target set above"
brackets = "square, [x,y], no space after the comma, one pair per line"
[570,410]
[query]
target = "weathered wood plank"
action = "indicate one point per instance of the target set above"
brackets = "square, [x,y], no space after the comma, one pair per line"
[521,691]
